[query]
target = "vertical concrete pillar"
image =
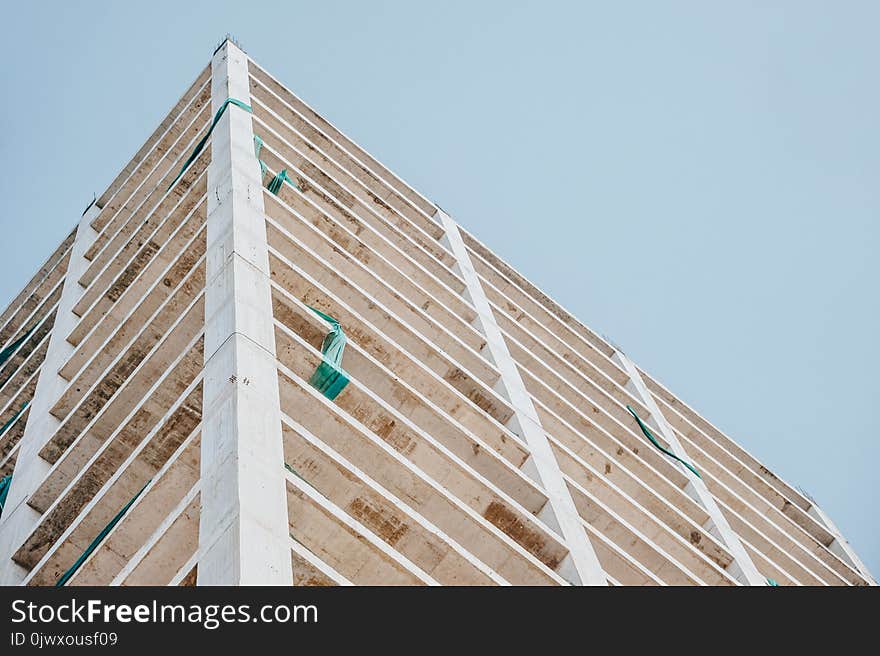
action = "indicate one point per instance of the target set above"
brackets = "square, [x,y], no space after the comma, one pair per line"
[742,568]
[243,528]
[582,566]
[19,519]
[840,545]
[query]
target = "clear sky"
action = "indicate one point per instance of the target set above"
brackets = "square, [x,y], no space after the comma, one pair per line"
[696,180]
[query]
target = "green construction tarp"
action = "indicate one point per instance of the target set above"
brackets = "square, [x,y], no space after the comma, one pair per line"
[657,444]
[94,200]
[330,378]
[258,146]
[5,482]
[14,417]
[98,540]
[6,353]
[201,144]
[274,185]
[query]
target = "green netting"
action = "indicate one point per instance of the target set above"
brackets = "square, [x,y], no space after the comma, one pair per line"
[330,378]
[94,200]
[14,418]
[657,444]
[274,185]
[6,353]
[98,540]
[258,146]
[5,482]
[201,144]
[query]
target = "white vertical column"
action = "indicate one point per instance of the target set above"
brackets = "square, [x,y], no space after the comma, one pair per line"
[243,528]
[840,545]
[742,567]
[581,566]
[19,519]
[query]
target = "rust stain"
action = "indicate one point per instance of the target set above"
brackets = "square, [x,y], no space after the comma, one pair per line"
[464,384]
[189,581]
[502,517]
[379,520]
[131,272]
[316,582]
[387,429]
[381,203]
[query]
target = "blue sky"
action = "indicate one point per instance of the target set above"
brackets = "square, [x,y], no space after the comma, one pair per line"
[696,180]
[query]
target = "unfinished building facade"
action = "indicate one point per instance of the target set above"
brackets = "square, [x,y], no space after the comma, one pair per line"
[178,409]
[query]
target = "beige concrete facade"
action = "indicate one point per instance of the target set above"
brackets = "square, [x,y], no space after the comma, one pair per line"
[483,438]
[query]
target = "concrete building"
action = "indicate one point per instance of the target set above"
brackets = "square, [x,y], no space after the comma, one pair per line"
[175,411]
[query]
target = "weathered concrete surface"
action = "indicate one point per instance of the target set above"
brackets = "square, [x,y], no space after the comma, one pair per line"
[19,519]
[585,569]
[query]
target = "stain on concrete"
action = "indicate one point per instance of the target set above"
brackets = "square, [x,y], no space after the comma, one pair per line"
[124,280]
[503,518]
[378,519]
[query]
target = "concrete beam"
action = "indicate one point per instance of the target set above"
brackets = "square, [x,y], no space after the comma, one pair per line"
[19,519]
[386,183]
[120,241]
[463,367]
[30,296]
[742,567]
[349,546]
[494,537]
[585,569]
[308,569]
[143,521]
[403,366]
[391,519]
[413,413]
[334,183]
[115,196]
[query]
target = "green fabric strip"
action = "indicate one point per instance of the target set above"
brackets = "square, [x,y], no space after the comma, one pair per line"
[5,483]
[201,144]
[274,185]
[292,471]
[657,444]
[258,146]
[330,378]
[773,583]
[14,418]
[6,353]
[98,540]
[94,200]
[295,473]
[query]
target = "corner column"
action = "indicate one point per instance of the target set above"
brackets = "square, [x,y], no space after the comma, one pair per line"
[581,566]
[742,567]
[19,519]
[243,527]
[840,545]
